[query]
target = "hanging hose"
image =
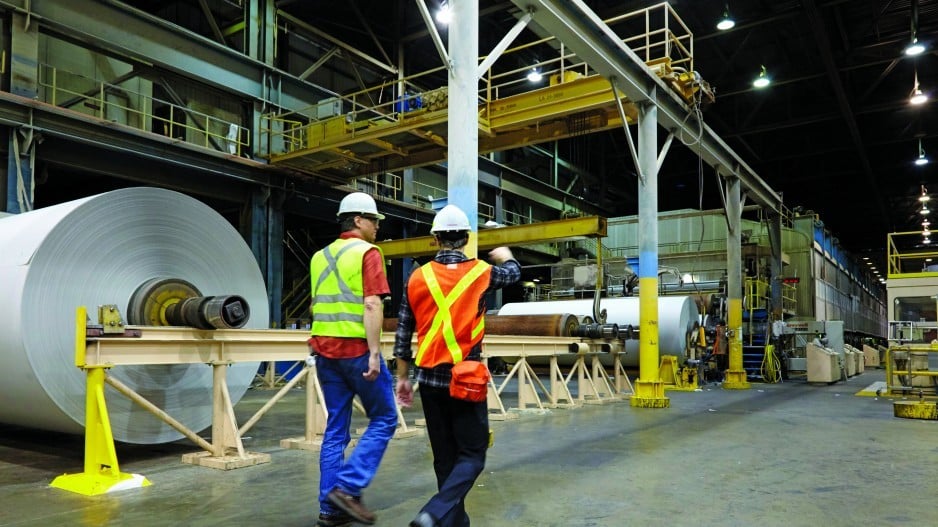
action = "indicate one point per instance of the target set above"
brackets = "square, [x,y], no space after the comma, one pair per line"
[771,368]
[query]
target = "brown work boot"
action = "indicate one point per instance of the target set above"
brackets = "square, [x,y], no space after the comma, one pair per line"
[352,505]
[335,519]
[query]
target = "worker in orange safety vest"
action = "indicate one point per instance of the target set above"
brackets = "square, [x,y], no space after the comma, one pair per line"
[445,304]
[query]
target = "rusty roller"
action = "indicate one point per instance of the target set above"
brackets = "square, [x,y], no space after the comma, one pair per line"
[553,325]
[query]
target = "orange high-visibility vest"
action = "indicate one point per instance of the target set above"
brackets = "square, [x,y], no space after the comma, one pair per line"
[445,299]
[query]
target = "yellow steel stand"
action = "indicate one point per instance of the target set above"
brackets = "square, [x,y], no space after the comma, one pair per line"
[735,375]
[675,377]
[102,473]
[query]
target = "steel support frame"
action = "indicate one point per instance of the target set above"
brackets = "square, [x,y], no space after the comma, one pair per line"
[129,32]
[51,121]
[581,30]
[553,231]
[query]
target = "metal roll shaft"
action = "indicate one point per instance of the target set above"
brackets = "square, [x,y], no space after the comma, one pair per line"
[209,312]
[551,325]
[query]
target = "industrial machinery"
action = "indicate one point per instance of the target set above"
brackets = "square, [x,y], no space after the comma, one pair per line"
[911,359]
[164,258]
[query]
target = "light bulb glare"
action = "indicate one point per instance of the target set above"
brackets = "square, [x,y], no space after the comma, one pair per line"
[915,48]
[444,15]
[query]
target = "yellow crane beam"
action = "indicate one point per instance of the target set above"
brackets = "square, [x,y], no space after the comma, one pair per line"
[515,235]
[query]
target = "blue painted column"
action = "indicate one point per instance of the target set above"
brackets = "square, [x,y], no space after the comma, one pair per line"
[649,390]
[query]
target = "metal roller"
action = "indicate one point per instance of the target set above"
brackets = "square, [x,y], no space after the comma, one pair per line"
[677,316]
[176,302]
[551,325]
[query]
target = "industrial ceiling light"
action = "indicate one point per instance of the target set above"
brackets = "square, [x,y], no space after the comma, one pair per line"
[762,80]
[535,75]
[726,21]
[915,47]
[926,241]
[924,211]
[445,14]
[926,233]
[917,96]
[921,160]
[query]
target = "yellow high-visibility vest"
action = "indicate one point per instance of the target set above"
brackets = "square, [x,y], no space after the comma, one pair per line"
[338,289]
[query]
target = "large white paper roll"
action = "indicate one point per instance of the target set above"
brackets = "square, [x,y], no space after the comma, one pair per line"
[98,250]
[676,318]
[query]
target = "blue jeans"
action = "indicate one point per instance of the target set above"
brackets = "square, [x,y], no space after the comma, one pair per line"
[341,380]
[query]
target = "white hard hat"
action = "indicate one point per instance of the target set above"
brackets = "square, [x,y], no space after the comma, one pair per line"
[450,218]
[359,203]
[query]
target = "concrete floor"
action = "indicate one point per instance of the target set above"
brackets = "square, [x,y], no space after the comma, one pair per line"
[788,455]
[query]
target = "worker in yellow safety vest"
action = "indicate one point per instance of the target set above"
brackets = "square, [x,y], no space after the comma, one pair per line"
[348,283]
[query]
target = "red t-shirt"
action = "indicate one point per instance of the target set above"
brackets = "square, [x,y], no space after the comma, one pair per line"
[375,283]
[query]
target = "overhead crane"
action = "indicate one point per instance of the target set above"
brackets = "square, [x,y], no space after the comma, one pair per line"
[411,131]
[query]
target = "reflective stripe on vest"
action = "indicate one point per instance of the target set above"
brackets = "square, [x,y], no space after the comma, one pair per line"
[443,319]
[337,289]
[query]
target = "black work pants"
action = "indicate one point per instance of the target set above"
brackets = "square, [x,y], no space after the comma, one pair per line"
[459,435]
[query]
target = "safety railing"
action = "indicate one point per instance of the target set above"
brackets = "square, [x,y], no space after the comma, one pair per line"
[789,298]
[656,34]
[758,292]
[907,255]
[911,331]
[116,103]
[387,185]
[516,218]
[907,368]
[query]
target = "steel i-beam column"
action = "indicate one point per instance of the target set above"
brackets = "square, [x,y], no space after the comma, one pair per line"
[24,81]
[649,390]
[274,276]
[259,37]
[463,126]
[775,244]
[735,375]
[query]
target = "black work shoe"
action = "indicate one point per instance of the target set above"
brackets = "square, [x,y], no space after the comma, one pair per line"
[423,519]
[335,519]
[352,505]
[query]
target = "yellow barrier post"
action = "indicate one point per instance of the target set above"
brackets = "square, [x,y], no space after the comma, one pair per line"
[102,473]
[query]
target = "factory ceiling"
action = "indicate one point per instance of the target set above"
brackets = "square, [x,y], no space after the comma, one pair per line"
[834,132]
